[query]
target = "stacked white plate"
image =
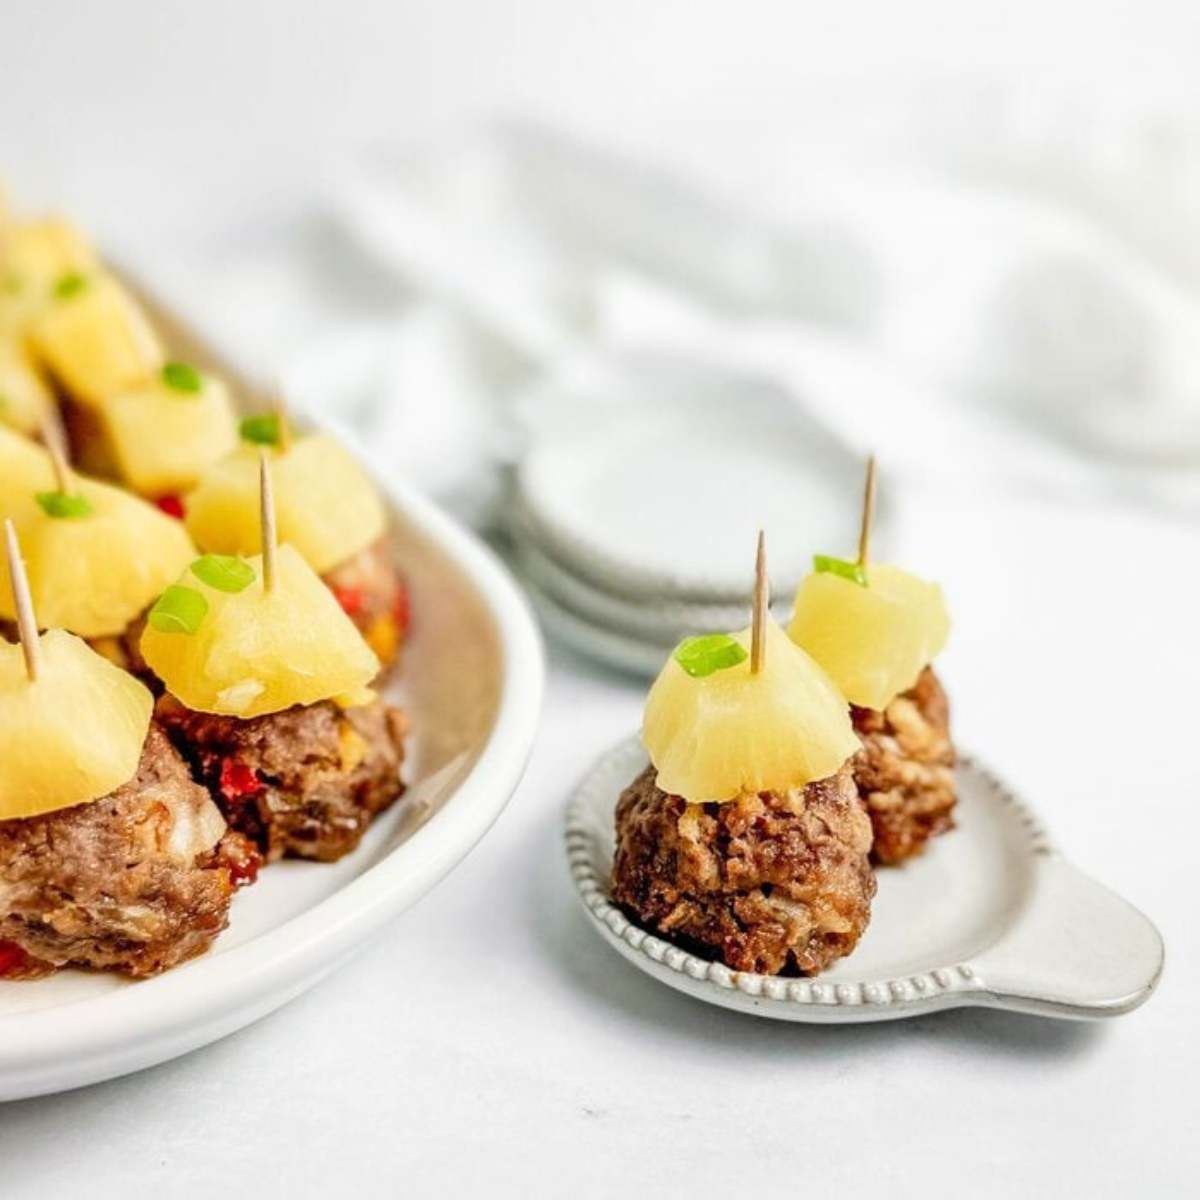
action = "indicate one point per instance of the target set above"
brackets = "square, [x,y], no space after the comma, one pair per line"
[634,514]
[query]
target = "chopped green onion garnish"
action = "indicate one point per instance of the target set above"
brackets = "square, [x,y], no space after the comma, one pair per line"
[823,564]
[69,285]
[178,610]
[700,656]
[262,430]
[182,378]
[225,572]
[61,504]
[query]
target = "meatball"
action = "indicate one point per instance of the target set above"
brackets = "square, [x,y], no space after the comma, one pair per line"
[374,596]
[772,883]
[304,782]
[134,882]
[905,770]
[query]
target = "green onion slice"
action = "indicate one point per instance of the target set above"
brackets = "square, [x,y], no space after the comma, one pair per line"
[824,564]
[700,656]
[225,572]
[262,430]
[62,504]
[181,377]
[69,285]
[178,610]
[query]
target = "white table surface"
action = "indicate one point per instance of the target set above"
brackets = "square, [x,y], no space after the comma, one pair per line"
[489,1040]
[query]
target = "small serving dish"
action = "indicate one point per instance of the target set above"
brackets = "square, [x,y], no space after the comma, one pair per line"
[991,915]
[471,683]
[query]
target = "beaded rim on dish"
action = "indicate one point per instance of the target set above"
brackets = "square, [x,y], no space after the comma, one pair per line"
[628,757]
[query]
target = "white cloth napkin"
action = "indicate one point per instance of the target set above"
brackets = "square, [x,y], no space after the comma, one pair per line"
[957,328]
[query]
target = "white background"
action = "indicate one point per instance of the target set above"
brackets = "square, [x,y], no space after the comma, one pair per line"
[489,1040]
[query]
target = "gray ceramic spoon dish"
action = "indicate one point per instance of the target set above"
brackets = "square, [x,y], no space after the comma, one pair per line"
[991,915]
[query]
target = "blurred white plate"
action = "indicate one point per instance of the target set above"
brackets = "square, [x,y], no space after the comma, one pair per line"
[991,915]
[471,683]
[664,622]
[656,488]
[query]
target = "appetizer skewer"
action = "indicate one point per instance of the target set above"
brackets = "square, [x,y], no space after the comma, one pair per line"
[744,840]
[267,697]
[129,413]
[96,556]
[876,629]
[328,510]
[111,856]
[166,431]
[35,257]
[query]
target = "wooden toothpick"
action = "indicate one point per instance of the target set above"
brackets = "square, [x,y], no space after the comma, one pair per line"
[52,437]
[267,518]
[868,514]
[26,622]
[762,605]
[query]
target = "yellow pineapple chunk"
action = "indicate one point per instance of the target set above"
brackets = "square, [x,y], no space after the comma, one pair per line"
[324,503]
[41,251]
[25,399]
[94,574]
[730,732]
[34,257]
[248,652]
[873,641]
[24,469]
[73,734]
[163,435]
[95,339]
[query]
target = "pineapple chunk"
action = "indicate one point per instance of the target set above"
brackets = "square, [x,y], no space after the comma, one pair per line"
[873,641]
[24,469]
[24,397]
[40,252]
[96,341]
[34,256]
[73,734]
[95,574]
[163,438]
[254,652]
[325,505]
[732,732]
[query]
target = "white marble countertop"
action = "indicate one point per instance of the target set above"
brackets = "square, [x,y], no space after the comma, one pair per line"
[489,1040]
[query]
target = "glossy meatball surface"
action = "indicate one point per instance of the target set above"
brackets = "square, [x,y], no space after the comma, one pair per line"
[770,883]
[134,882]
[905,771]
[304,782]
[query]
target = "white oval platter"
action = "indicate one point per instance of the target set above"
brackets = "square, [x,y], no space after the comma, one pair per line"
[472,685]
[991,915]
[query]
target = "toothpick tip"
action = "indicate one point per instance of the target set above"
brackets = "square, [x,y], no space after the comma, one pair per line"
[27,629]
[868,513]
[266,520]
[761,609]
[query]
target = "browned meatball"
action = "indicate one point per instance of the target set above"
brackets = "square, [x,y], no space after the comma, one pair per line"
[375,597]
[777,884]
[303,782]
[905,771]
[135,882]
